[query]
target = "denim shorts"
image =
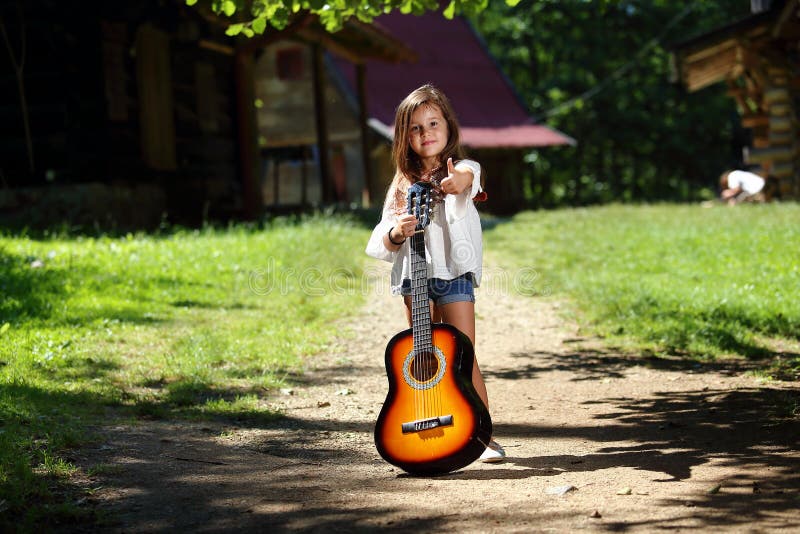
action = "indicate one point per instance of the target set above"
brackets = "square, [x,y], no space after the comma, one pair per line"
[441,292]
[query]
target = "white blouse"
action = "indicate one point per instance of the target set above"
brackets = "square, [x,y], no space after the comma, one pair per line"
[749,182]
[453,240]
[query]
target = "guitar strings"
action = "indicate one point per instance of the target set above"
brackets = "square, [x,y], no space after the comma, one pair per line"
[425,361]
[417,297]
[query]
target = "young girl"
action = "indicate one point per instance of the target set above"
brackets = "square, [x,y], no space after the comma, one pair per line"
[427,148]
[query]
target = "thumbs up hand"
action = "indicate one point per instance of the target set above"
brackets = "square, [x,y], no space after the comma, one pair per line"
[456,180]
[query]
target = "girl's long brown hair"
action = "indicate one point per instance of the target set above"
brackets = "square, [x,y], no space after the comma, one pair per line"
[408,167]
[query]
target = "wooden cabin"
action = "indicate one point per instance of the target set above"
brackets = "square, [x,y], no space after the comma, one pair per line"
[119,113]
[757,57]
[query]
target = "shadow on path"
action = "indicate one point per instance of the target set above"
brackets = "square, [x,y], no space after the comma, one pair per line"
[319,471]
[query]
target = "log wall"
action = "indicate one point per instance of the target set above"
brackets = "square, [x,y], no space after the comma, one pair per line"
[775,133]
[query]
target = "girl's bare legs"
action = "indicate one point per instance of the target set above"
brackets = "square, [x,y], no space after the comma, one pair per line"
[462,316]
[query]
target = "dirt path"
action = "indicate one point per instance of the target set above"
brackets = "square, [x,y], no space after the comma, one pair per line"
[642,445]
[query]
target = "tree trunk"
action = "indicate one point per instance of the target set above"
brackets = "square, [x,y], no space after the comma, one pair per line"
[19,69]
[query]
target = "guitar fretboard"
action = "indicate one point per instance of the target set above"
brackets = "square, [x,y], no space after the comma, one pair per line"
[420,307]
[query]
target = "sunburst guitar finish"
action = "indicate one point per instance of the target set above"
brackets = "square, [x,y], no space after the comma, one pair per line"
[433,420]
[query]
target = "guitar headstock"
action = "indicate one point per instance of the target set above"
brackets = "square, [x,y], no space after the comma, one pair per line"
[420,203]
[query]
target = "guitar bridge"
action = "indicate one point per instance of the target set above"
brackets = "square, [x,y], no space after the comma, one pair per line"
[427,424]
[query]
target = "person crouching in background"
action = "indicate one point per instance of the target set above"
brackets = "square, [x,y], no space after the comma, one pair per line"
[746,186]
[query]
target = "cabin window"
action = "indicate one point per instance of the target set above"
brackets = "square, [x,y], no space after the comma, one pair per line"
[289,64]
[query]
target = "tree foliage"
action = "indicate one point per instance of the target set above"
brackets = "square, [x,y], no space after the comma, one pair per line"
[252,17]
[600,72]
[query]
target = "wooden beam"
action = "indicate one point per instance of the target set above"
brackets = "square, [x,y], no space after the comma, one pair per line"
[325,40]
[761,142]
[709,52]
[709,70]
[792,7]
[697,81]
[780,124]
[744,93]
[777,95]
[247,121]
[216,47]
[363,117]
[780,109]
[755,75]
[771,154]
[783,170]
[358,42]
[321,119]
[262,41]
[739,94]
[702,66]
[754,121]
[778,74]
[781,138]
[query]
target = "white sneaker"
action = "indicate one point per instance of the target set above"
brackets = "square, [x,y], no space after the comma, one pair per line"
[493,454]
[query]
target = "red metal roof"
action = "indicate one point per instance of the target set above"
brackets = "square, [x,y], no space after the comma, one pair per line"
[452,57]
[526,135]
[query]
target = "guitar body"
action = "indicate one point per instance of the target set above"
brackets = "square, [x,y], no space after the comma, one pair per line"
[433,420]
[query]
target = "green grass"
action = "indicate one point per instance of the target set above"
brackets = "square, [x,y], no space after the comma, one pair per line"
[190,324]
[205,324]
[686,280]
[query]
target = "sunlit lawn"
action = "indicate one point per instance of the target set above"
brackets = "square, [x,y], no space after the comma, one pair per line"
[689,280]
[189,324]
[206,324]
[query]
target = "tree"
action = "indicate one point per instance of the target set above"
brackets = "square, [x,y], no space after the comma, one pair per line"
[18,61]
[600,71]
[253,16]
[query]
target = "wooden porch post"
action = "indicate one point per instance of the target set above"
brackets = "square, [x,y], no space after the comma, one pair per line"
[321,119]
[246,115]
[363,116]
[248,133]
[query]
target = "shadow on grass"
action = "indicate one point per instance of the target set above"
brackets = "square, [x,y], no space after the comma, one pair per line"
[679,328]
[32,292]
[40,293]
[212,305]
[193,400]
[730,331]
[36,428]
[28,291]
[42,427]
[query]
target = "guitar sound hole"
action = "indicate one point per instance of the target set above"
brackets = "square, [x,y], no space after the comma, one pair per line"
[424,366]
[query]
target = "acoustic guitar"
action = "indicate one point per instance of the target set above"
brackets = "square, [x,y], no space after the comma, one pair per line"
[432,420]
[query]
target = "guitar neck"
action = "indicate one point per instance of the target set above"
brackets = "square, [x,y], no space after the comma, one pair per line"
[420,307]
